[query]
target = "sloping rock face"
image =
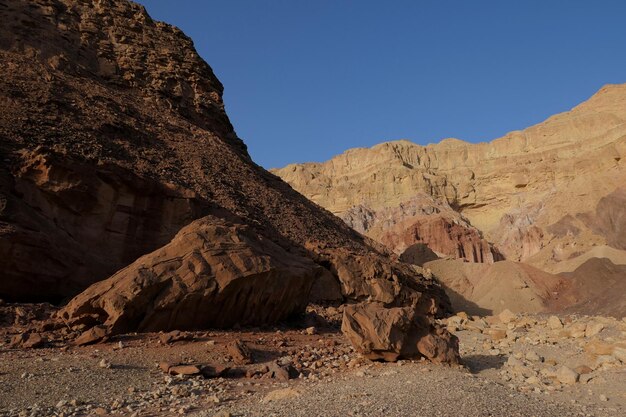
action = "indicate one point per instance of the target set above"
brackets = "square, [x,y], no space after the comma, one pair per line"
[113,136]
[514,189]
[65,224]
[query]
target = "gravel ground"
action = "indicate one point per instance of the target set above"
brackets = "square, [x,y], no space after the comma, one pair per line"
[409,390]
[510,369]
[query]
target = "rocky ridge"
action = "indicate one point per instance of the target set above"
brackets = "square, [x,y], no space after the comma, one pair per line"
[114,136]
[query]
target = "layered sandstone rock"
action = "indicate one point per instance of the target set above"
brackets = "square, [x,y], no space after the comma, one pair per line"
[114,136]
[214,273]
[539,195]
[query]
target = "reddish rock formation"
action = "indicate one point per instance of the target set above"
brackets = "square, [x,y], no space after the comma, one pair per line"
[446,238]
[392,333]
[595,287]
[423,220]
[114,139]
[80,223]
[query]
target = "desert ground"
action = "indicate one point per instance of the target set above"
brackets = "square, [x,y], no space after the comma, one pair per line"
[512,364]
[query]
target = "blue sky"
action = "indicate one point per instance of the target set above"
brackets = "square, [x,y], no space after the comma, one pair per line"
[307,79]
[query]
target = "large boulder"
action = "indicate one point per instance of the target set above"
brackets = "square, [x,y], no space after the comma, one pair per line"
[391,333]
[214,273]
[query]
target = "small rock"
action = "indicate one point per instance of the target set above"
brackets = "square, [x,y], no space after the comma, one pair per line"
[186,370]
[281,372]
[496,334]
[173,336]
[311,330]
[593,329]
[566,375]
[240,352]
[214,371]
[583,369]
[533,357]
[513,362]
[27,341]
[506,316]
[165,367]
[104,364]
[532,380]
[554,323]
[281,394]
[585,378]
[619,352]
[603,397]
[94,335]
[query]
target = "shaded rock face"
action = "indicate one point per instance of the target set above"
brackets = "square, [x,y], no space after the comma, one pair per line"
[491,288]
[595,287]
[212,274]
[113,136]
[418,254]
[610,218]
[80,224]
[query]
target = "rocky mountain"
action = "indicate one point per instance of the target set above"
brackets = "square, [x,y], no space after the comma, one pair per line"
[115,144]
[542,195]
[551,196]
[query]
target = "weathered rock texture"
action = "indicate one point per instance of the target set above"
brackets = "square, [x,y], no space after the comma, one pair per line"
[113,136]
[541,195]
[422,220]
[213,273]
[381,333]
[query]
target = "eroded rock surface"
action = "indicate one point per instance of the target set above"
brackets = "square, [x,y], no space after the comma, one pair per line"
[212,274]
[114,136]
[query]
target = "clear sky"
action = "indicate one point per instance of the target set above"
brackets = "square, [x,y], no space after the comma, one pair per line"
[307,79]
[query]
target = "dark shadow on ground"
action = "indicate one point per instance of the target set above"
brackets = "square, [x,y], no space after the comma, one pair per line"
[460,303]
[479,363]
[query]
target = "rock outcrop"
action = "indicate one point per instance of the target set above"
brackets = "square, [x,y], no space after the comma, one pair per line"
[381,333]
[541,195]
[422,220]
[113,137]
[212,274]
